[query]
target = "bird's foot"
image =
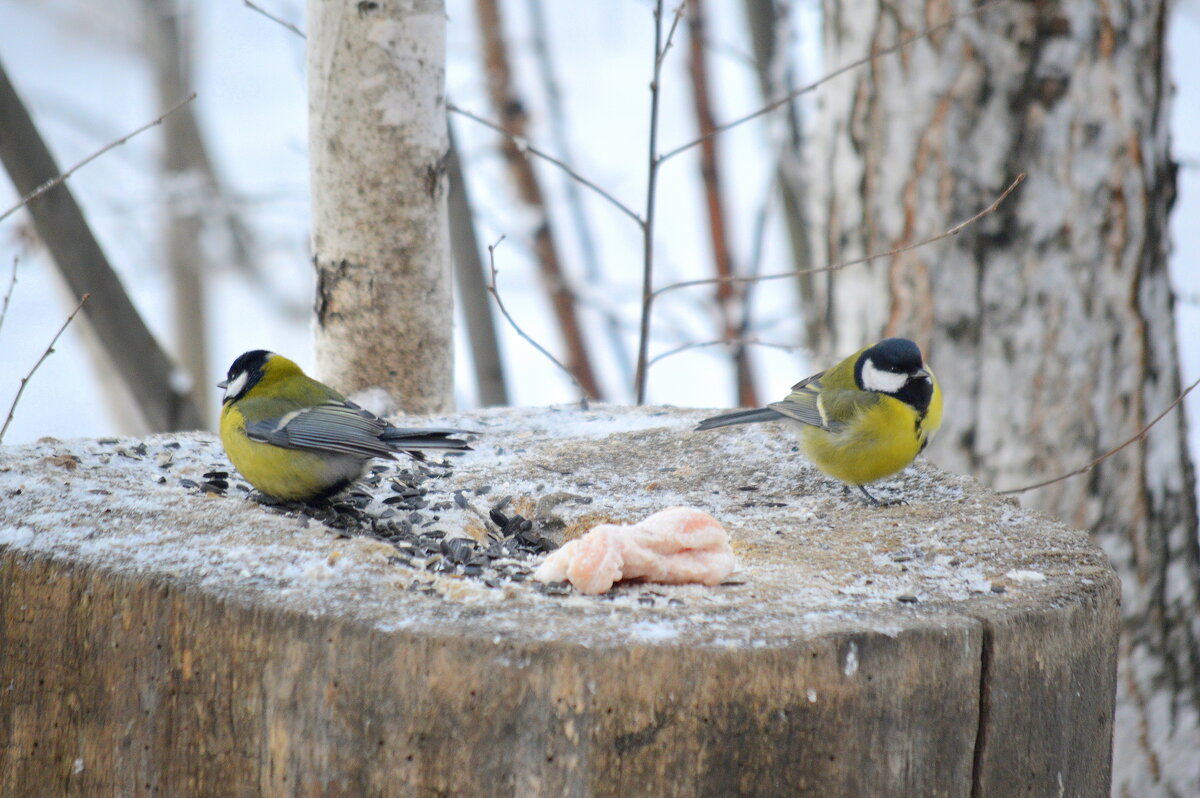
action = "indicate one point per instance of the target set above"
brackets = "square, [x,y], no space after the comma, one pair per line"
[877,503]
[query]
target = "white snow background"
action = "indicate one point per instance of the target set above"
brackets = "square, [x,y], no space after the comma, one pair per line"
[82,69]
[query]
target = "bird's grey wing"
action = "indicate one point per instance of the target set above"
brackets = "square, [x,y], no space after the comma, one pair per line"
[803,403]
[330,428]
[804,383]
[813,404]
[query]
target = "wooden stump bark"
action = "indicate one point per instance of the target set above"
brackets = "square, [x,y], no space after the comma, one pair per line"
[156,638]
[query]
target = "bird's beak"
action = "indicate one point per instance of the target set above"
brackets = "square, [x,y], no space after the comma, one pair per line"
[921,372]
[223,384]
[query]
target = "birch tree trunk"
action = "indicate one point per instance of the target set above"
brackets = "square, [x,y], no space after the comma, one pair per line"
[378,148]
[1050,322]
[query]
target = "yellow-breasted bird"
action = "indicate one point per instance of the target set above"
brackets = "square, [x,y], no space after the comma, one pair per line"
[297,439]
[862,420]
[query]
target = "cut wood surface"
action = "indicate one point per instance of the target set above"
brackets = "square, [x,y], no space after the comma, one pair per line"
[156,638]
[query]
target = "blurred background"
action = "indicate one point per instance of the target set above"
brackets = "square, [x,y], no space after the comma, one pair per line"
[92,72]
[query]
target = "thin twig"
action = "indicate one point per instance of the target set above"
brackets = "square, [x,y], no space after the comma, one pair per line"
[1141,435]
[25,380]
[901,44]
[653,163]
[54,181]
[12,283]
[508,316]
[953,231]
[502,90]
[529,149]
[662,53]
[737,342]
[273,18]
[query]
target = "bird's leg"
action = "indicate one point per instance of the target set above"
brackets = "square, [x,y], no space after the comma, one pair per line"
[876,503]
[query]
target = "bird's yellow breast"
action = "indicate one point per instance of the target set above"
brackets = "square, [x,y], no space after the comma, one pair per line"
[878,442]
[288,474]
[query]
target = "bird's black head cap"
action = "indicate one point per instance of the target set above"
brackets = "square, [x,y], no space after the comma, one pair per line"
[244,374]
[894,366]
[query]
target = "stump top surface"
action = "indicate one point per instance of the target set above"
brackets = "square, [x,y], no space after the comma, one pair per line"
[812,559]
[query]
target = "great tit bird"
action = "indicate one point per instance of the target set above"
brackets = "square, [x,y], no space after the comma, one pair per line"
[862,420]
[297,439]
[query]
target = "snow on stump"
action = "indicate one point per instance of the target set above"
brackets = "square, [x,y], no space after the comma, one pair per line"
[161,633]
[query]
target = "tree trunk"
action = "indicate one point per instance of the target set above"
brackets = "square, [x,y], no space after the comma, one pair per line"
[189,193]
[378,148]
[1050,322]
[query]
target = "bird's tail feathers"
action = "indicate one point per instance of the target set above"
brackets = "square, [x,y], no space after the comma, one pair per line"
[403,438]
[740,417]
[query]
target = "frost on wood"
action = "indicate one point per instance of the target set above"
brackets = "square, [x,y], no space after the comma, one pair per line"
[1049,322]
[954,642]
[378,148]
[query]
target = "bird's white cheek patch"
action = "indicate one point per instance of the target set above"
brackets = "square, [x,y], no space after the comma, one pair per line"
[874,379]
[235,385]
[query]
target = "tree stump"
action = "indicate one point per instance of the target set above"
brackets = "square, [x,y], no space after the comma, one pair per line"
[160,633]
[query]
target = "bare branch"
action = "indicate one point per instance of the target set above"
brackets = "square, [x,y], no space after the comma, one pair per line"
[901,44]
[734,343]
[12,283]
[25,380]
[472,287]
[1141,435]
[152,379]
[529,149]
[54,181]
[502,90]
[504,311]
[273,18]
[662,53]
[953,231]
[653,163]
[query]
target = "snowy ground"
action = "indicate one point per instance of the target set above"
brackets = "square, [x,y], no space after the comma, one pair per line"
[811,559]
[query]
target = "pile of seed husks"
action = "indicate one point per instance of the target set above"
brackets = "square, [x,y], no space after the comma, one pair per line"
[402,504]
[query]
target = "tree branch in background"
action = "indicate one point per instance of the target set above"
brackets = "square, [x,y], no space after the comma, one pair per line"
[769,35]
[900,45]
[25,380]
[275,19]
[147,371]
[1141,435]
[526,148]
[653,163]
[740,342]
[753,269]
[516,143]
[472,289]
[953,231]
[588,245]
[60,177]
[12,284]
[512,111]
[182,165]
[512,322]
[728,297]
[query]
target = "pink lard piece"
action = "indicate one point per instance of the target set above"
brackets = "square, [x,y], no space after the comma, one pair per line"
[674,546]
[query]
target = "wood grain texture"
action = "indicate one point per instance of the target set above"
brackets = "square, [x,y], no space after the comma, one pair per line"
[176,693]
